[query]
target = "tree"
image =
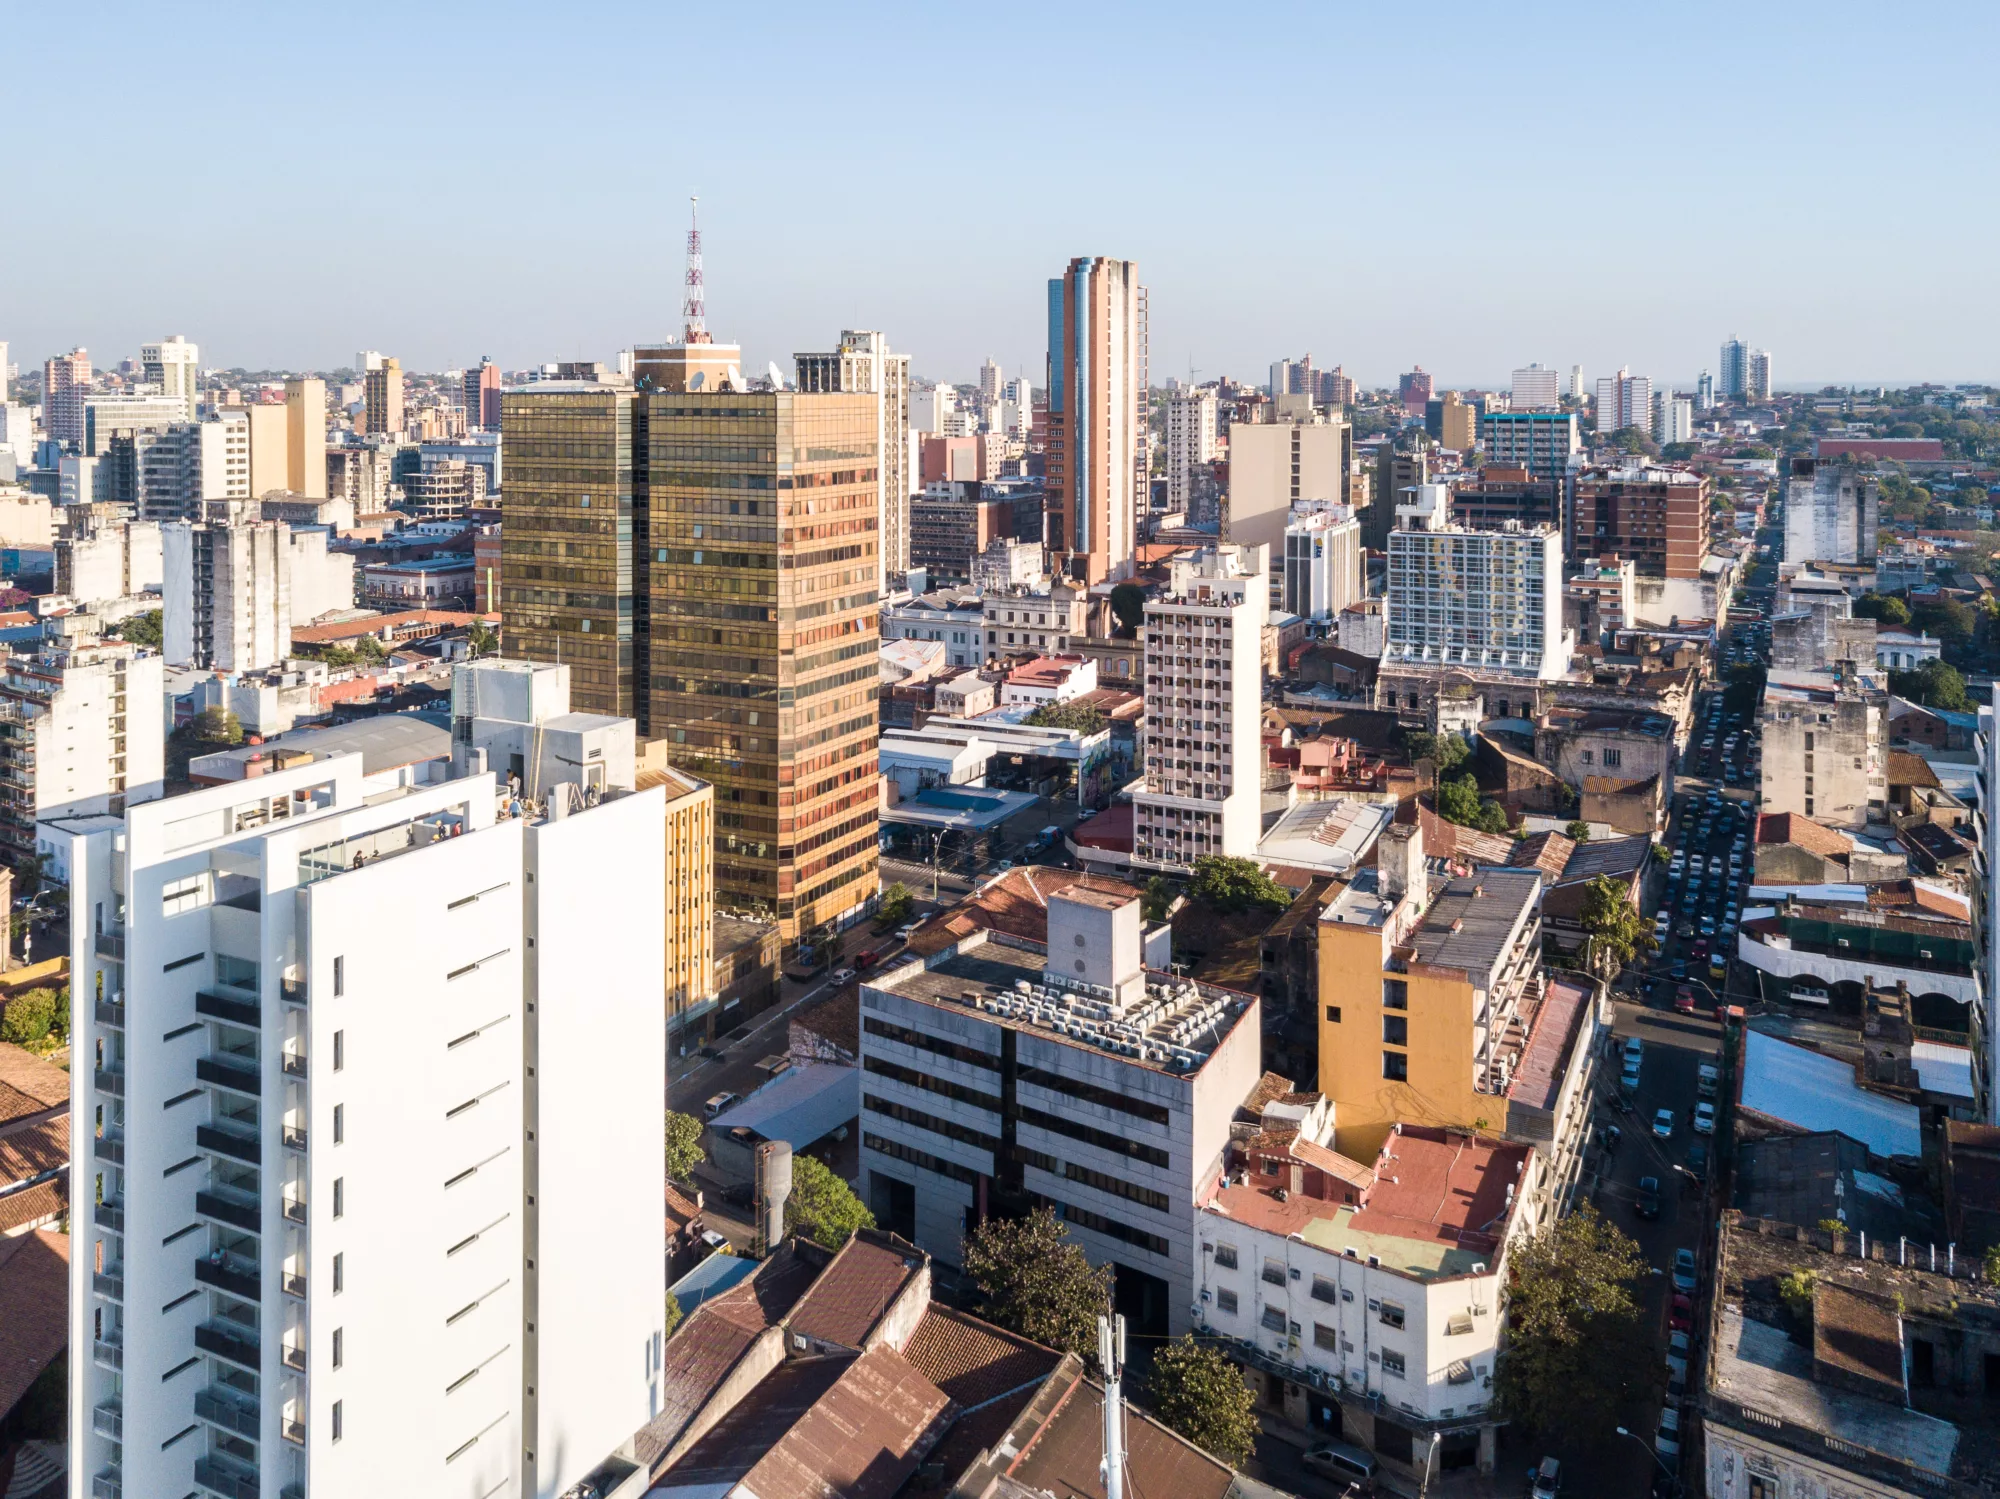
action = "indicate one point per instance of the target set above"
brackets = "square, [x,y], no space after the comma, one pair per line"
[1617,932]
[1574,1335]
[1458,801]
[148,629]
[1128,605]
[1634,440]
[1746,686]
[1992,1266]
[822,1207]
[1036,1281]
[1082,717]
[480,641]
[1935,685]
[1948,619]
[209,730]
[673,1314]
[684,1151]
[1883,606]
[1228,884]
[30,1017]
[1680,452]
[896,905]
[1446,752]
[1579,831]
[1201,1394]
[368,648]
[1158,898]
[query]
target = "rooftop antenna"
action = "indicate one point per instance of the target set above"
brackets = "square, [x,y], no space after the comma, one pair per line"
[1111,1355]
[693,309]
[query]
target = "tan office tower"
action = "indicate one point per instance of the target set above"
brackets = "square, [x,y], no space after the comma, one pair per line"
[173,365]
[65,383]
[760,526]
[382,400]
[305,438]
[697,367]
[270,449]
[1097,378]
[863,365]
[566,539]
[1276,465]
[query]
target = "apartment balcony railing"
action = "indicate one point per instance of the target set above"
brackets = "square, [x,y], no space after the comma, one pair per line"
[228,1007]
[227,1272]
[227,1340]
[220,1476]
[232,1205]
[110,1080]
[295,1285]
[295,1064]
[295,1138]
[231,1140]
[293,1431]
[109,945]
[109,1354]
[105,1485]
[229,1070]
[110,1214]
[292,991]
[109,1283]
[232,1412]
[295,1209]
[108,1420]
[110,1012]
[294,1355]
[109,1148]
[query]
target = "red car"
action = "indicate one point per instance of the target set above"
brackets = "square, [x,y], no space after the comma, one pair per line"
[1681,1318]
[1699,951]
[1684,1000]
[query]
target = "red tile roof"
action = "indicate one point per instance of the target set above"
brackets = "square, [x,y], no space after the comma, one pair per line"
[1437,1185]
[34,1309]
[855,1289]
[1062,1457]
[1548,852]
[29,1085]
[1793,828]
[1016,903]
[974,1361]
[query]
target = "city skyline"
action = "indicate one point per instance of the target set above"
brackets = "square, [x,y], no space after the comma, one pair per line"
[1270,268]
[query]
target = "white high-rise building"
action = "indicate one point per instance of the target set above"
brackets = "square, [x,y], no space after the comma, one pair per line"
[1190,443]
[1486,599]
[1832,513]
[1734,368]
[368,1088]
[1204,690]
[1704,391]
[173,365]
[17,433]
[1575,391]
[1017,407]
[99,559]
[235,585]
[105,415]
[1322,559]
[1673,418]
[990,380]
[933,409]
[1757,375]
[863,364]
[1534,389]
[1624,400]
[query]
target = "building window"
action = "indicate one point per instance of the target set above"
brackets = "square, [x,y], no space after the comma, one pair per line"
[1273,1319]
[1323,1289]
[1333,1014]
[1325,1337]
[339,977]
[336,1420]
[1225,1256]
[1392,1314]
[339,1273]
[339,1346]
[1395,1066]
[339,1050]
[1613,759]
[339,1196]
[1392,1363]
[185,895]
[1274,1272]
[1395,994]
[1225,1301]
[339,1123]
[1396,1030]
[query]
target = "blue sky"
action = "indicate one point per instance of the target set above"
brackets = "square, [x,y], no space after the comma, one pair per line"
[1468,187]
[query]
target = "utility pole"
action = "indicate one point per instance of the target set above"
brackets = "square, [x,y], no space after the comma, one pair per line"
[1111,1355]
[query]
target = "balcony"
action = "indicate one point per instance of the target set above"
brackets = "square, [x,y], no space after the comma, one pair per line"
[295,1285]
[227,1272]
[225,1408]
[295,1064]
[295,1209]
[108,1420]
[227,1069]
[108,1355]
[110,1215]
[105,1485]
[292,991]
[229,1340]
[109,1283]
[110,1012]
[294,1355]
[231,1480]
[230,1140]
[109,1148]
[110,1080]
[293,1431]
[231,1205]
[109,945]
[236,1011]
[295,1138]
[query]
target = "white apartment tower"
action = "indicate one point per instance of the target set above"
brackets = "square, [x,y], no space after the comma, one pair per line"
[1485,599]
[1757,375]
[1204,689]
[173,366]
[1734,368]
[371,1202]
[1832,513]
[863,365]
[1673,418]
[1322,559]
[1190,444]
[1534,389]
[235,584]
[1624,400]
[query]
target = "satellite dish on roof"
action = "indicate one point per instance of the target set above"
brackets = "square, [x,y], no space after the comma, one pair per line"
[698,379]
[777,375]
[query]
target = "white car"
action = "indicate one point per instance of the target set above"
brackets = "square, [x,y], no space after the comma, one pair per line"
[1704,1118]
[1663,1123]
[1669,1440]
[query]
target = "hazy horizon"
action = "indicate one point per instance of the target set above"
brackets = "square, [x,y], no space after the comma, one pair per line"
[1469,193]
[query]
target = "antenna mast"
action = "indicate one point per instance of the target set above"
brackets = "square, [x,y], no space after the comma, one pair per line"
[1111,1358]
[693,311]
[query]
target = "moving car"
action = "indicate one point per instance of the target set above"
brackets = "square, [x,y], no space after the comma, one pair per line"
[1663,1124]
[1648,1205]
[842,976]
[1684,1000]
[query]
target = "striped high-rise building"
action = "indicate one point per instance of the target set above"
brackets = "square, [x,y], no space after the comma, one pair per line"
[1098,376]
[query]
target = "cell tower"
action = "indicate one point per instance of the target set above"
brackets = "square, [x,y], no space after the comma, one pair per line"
[693,312]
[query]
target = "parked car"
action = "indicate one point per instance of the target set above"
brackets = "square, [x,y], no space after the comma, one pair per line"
[1339,1460]
[1545,1482]
[1680,1315]
[1698,1161]
[1684,1270]
[1648,1204]
[842,976]
[1704,1118]
[1669,1440]
[718,1103]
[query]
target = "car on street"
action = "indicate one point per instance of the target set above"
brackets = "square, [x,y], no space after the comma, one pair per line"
[1704,1118]
[1697,1166]
[1648,1204]
[1663,1124]
[1684,1000]
[1684,1269]
[718,1103]
[842,976]
[1635,1049]
[1669,1439]
[1678,1345]
[1680,1315]
[1546,1481]
[1608,1136]
[1339,1460]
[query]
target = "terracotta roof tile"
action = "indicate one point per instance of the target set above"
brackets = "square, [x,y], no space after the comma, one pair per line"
[29,1085]
[1062,1457]
[1906,769]
[1791,827]
[1016,903]
[855,1289]
[34,1309]
[1548,852]
[974,1361]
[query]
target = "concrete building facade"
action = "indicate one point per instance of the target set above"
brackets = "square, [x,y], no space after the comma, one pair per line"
[1825,752]
[863,365]
[1276,465]
[1096,462]
[1489,599]
[1322,560]
[1832,513]
[1656,516]
[1191,444]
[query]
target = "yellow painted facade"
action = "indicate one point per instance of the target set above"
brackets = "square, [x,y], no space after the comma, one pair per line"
[688,922]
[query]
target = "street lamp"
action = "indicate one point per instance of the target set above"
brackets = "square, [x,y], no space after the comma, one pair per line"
[1672,1477]
[1430,1459]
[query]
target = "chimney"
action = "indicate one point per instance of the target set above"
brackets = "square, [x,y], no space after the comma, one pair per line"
[1399,860]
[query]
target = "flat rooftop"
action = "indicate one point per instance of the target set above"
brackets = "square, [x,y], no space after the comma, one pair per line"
[1360,902]
[1174,1030]
[1469,925]
[1439,1205]
[386,742]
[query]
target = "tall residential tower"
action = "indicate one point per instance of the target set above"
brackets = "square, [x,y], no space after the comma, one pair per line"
[1096,460]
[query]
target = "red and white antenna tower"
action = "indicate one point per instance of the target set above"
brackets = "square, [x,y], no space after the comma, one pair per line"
[693,311]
